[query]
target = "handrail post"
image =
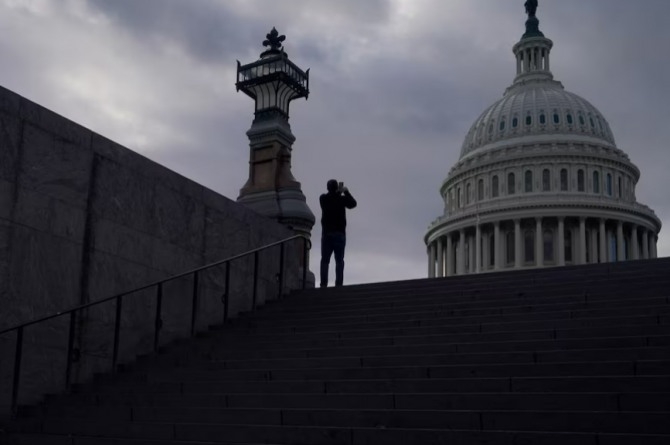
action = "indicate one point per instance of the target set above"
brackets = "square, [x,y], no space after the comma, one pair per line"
[305,266]
[253,301]
[281,271]
[194,308]
[70,348]
[117,329]
[226,293]
[158,323]
[17,369]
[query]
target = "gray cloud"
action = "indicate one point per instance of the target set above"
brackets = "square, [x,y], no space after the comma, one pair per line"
[395,86]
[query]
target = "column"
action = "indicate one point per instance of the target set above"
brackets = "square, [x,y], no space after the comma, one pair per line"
[620,251]
[471,254]
[582,240]
[561,241]
[496,245]
[478,249]
[653,239]
[440,258]
[539,245]
[594,246]
[486,259]
[517,243]
[634,244]
[645,244]
[603,242]
[450,256]
[431,260]
[460,264]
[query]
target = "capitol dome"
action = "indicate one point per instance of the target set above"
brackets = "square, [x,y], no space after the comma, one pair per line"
[540,182]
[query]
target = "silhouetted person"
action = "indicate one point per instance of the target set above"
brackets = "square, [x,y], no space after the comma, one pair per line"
[333,228]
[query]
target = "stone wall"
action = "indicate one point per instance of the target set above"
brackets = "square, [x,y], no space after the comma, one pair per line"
[83,218]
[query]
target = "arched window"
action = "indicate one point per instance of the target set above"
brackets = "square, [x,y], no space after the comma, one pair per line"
[502,125]
[458,193]
[546,180]
[596,182]
[528,180]
[468,193]
[495,187]
[569,118]
[608,184]
[557,118]
[510,184]
[548,244]
[529,120]
[480,190]
[543,119]
[515,122]
[620,187]
[509,244]
[581,120]
[580,180]
[529,246]
[564,180]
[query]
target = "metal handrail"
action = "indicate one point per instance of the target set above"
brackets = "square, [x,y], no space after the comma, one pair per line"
[307,245]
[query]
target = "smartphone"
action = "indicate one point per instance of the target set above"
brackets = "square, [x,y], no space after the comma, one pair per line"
[340,186]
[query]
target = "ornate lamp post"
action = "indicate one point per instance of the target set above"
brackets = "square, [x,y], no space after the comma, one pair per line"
[273,82]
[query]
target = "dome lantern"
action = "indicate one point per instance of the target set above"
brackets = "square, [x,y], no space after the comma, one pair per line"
[532,52]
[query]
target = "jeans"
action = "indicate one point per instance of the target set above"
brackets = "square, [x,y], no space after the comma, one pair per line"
[332,242]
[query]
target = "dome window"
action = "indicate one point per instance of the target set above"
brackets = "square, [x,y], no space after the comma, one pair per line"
[546,180]
[580,180]
[557,118]
[529,120]
[515,122]
[528,181]
[480,190]
[495,187]
[564,180]
[502,125]
[569,118]
[543,120]
[596,182]
[609,184]
[581,120]
[593,125]
[510,184]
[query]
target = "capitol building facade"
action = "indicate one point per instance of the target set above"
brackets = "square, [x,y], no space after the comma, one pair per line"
[540,182]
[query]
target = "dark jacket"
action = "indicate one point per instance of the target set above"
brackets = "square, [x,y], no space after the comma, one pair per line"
[333,205]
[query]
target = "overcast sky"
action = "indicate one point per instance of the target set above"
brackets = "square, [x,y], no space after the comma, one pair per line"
[395,86]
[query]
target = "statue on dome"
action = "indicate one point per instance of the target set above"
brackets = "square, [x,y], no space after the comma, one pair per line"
[531,7]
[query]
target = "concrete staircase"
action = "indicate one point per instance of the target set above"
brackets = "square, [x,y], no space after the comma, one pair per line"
[569,356]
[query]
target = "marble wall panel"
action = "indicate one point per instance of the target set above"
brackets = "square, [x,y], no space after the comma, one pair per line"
[44,274]
[61,128]
[55,168]
[180,219]
[7,189]
[122,241]
[50,215]
[10,102]
[123,197]
[10,137]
